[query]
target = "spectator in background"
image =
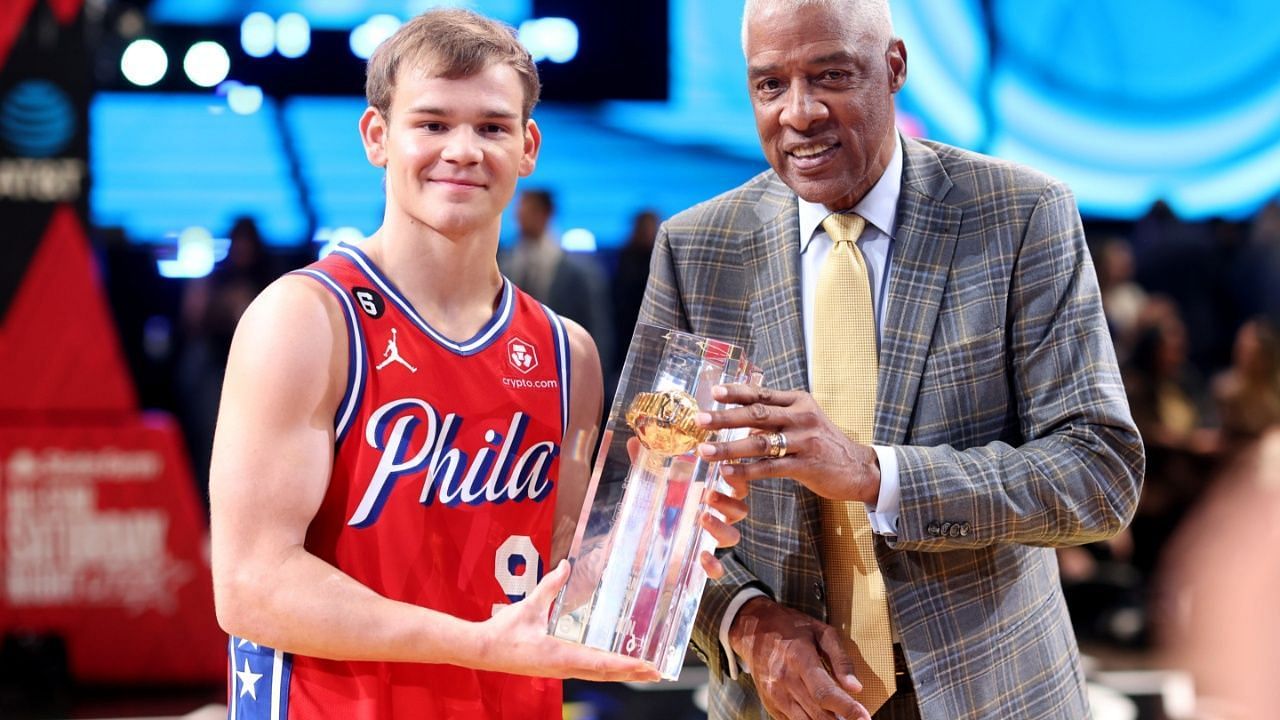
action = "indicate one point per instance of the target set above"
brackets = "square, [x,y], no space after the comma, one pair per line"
[1266,225]
[1173,410]
[1258,265]
[1221,621]
[1166,393]
[1247,394]
[1185,261]
[572,286]
[1122,298]
[211,307]
[630,279]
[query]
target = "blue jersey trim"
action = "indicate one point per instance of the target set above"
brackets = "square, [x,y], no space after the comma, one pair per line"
[481,340]
[561,337]
[259,681]
[357,362]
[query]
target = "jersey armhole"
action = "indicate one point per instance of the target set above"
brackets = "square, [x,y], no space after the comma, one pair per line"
[357,359]
[560,336]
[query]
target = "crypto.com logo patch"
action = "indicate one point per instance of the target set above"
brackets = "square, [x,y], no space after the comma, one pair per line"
[522,355]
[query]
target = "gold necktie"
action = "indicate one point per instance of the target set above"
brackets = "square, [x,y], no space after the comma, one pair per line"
[845,366]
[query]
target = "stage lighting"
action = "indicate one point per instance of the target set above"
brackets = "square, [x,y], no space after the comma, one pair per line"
[195,255]
[258,35]
[293,35]
[367,36]
[550,38]
[206,63]
[578,240]
[144,62]
[244,99]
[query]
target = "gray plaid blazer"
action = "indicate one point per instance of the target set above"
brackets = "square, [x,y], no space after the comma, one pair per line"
[998,390]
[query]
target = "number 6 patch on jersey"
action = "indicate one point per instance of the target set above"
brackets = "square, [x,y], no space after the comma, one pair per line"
[370,301]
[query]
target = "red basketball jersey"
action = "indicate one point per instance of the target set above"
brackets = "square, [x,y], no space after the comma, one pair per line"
[443,494]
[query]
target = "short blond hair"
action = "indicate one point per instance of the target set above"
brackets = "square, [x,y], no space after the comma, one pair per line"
[452,44]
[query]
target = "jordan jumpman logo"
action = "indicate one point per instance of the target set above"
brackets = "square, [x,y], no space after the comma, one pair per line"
[392,354]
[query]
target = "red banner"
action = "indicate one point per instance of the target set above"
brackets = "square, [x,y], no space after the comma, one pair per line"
[14,14]
[59,352]
[102,539]
[103,542]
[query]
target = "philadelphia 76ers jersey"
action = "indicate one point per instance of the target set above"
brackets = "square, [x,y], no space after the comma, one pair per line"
[442,494]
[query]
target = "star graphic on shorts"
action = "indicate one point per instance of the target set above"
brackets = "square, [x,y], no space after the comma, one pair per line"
[248,681]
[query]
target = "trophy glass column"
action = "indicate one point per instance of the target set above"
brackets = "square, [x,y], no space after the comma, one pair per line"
[636,578]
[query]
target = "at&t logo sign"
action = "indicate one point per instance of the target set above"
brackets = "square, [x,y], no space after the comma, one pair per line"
[37,124]
[37,119]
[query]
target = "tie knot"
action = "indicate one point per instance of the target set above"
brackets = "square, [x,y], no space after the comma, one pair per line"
[844,227]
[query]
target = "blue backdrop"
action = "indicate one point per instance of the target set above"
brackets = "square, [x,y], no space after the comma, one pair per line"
[1127,102]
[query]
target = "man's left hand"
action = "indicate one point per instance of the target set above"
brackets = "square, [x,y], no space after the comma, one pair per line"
[732,509]
[818,454]
[729,509]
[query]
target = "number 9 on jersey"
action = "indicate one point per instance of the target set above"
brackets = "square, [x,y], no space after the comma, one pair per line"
[517,568]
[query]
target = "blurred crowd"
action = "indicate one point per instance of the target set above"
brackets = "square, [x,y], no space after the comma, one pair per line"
[1192,308]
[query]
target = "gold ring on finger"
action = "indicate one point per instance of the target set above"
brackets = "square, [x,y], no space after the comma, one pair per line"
[777,444]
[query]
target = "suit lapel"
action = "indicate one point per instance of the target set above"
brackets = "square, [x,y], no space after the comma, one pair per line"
[921,261]
[771,258]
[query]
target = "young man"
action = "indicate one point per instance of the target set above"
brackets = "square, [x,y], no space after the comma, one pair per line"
[403,431]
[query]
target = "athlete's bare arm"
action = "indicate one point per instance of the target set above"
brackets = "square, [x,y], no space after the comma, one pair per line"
[586,395]
[271,462]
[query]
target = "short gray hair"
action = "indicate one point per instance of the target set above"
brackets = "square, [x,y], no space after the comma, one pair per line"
[870,13]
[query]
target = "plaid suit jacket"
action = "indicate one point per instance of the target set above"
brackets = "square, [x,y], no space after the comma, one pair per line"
[999,391]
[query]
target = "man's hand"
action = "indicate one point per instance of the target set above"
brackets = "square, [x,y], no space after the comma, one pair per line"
[729,510]
[515,640]
[800,668]
[818,454]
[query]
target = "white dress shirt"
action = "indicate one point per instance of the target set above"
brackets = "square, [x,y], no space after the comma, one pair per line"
[879,207]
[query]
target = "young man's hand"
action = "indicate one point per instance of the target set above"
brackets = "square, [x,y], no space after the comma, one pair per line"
[515,640]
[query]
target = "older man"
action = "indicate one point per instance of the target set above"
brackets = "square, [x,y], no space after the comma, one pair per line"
[944,405]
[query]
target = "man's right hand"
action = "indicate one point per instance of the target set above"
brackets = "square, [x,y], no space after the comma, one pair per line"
[799,665]
[515,640]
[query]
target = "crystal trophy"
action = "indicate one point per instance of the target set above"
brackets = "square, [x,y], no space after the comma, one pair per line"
[636,578]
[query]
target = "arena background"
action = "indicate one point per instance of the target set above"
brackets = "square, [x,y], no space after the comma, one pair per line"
[135,135]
